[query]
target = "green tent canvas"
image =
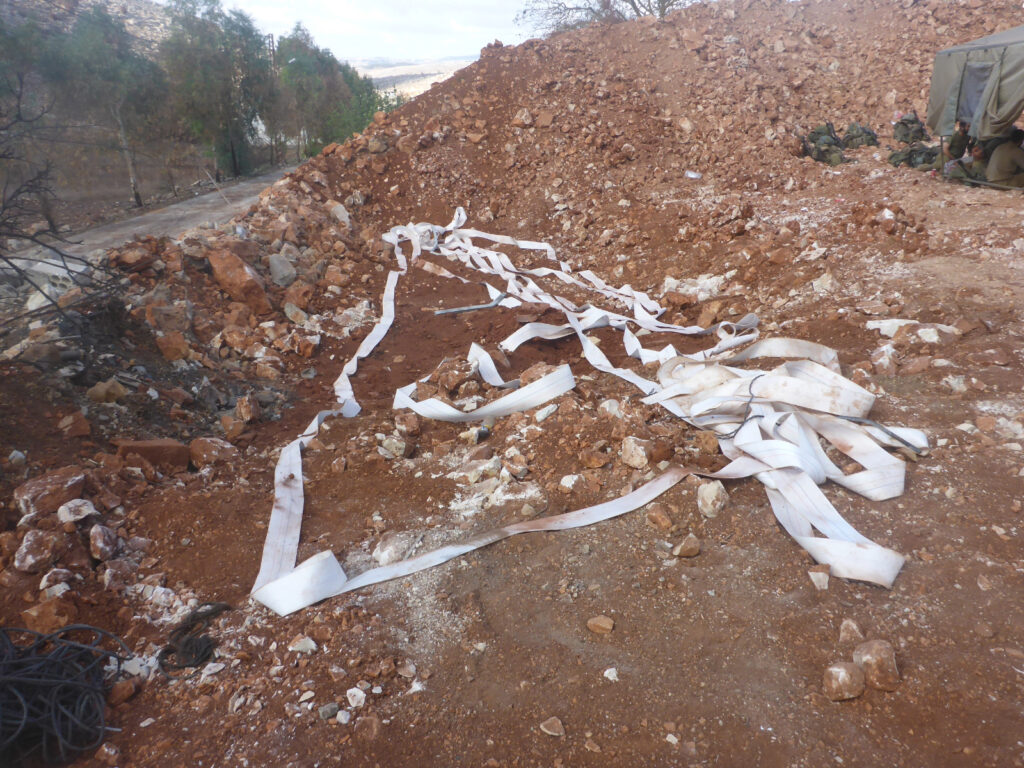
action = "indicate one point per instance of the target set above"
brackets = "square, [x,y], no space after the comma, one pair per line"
[980,82]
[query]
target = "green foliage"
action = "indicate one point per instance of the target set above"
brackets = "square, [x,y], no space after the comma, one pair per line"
[217,81]
[24,97]
[221,78]
[320,100]
[97,74]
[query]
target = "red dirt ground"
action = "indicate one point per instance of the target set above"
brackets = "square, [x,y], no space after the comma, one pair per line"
[719,657]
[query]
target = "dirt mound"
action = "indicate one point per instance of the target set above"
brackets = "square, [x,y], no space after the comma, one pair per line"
[662,156]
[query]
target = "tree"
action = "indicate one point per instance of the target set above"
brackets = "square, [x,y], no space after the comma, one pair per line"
[551,16]
[313,88]
[219,68]
[98,74]
[26,109]
[25,105]
[319,99]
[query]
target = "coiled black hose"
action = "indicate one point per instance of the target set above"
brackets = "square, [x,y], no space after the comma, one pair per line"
[53,692]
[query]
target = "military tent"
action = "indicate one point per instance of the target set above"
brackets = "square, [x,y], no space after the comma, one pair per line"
[980,82]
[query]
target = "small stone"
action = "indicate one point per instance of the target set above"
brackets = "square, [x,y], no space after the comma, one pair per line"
[109,391]
[295,314]
[327,711]
[711,498]
[600,625]
[46,493]
[37,552]
[356,698]
[302,644]
[122,691]
[282,272]
[657,515]
[568,482]
[75,510]
[843,681]
[174,346]
[543,413]
[522,118]
[56,591]
[393,447]
[612,674]
[406,669]
[878,660]
[17,459]
[247,409]
[102,542]
[393,546]
[54,577]
[161,452]
[849,632]
[344,717]
[208,451]
[407,424]
[480,453]
[340,214]
[594,459]
[819,577]
[213,668]
[635,452]
[688,547]
[610,408]
[75,425]
[553,727]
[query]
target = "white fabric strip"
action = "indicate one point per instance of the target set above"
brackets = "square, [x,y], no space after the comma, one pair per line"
[322,576]
[769,423]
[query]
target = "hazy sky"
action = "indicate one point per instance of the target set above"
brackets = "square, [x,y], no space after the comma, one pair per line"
[403,30]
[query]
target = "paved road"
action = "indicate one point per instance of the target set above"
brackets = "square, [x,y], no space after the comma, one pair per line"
[171,220]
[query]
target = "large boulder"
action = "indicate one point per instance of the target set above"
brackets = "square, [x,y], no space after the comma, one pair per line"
[44,494]
[239,281]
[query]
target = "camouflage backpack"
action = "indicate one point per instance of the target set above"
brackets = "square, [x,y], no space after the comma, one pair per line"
[858,135]
[823,145]
[917,154]
[909,129]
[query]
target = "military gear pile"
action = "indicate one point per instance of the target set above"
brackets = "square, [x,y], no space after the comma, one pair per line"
[824,145]
[910,129]
[858,135]
[917,154]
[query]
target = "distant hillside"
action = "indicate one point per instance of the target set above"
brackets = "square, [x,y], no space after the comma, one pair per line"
[411,80]
[147,22]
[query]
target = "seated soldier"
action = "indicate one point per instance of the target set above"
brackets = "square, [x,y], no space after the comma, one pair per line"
[1006,165]
[959,142]
[971,168]
[952,150]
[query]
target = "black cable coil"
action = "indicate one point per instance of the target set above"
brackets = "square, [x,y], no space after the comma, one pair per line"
[53,692]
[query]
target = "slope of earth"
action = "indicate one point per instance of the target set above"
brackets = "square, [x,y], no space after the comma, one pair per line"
[583,141]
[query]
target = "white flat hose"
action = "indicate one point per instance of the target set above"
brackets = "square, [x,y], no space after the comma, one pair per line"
[769,422]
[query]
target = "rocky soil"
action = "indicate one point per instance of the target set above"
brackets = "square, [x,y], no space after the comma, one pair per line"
[138,437]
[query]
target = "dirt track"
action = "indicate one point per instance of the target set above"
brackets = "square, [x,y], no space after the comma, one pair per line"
[719,658]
